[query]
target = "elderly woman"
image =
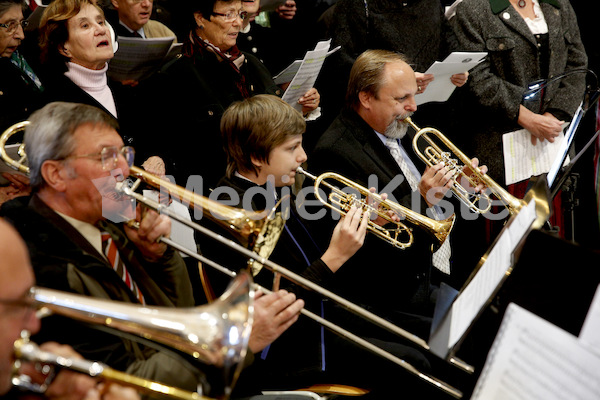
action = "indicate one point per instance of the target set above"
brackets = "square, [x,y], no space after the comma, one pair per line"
[20,87]
[211,75]
[76,46]
[526,40]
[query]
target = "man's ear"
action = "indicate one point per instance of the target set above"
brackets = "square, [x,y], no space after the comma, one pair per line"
[115,4]
[55,175]
[365,99]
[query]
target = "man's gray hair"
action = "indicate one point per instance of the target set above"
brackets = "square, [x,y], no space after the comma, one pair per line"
[50,134]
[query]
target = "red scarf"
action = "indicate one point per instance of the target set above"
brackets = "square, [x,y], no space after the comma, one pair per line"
[196,45]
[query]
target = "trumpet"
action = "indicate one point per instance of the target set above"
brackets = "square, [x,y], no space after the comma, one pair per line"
[341,202]
[456,161]
[25,350]
[268,232]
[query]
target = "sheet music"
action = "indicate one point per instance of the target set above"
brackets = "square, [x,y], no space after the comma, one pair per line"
[180,233]
[290,71]
[590,331]
[307,74]
[137,57]
[477,293]
[535,360]
[451,9]
[441,87]
[522,160]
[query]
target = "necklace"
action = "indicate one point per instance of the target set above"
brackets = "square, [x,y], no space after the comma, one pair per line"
[522,3]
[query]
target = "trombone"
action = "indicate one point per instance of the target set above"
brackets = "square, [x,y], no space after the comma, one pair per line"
[439,230]
[199,201]
[216,334]
[456,161]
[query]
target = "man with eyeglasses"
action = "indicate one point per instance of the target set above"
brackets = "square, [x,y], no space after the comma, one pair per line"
[74,152]
[75,158]
[134,20]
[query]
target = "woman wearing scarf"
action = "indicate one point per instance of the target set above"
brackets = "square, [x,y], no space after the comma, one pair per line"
[200,85]
[20,87]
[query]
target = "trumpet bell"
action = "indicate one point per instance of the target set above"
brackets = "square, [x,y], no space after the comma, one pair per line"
[216,334]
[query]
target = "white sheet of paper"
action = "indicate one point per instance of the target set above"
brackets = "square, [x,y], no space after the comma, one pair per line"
[288,74]
[307,74]
[441,87]
[535,360]
[180,233]
[451,9]
[523,160]
[590,331]
[475,296]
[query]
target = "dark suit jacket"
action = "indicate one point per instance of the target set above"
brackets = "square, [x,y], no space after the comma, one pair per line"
[64,260]
[395,279]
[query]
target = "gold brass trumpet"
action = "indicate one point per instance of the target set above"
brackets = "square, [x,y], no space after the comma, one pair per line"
[456,161]
[341,202]
[25,350]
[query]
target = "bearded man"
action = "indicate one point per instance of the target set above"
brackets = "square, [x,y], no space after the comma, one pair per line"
[370,143]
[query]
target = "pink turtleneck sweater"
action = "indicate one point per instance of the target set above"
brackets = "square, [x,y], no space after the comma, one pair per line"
[93,82]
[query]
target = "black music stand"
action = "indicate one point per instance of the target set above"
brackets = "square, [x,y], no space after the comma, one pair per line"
[552,278]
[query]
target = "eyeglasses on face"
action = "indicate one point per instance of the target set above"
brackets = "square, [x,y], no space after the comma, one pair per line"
[110,156]
[11,26]
[137,1]
[232,15]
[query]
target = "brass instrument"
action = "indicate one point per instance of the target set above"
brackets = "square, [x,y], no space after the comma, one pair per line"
[439,230]
[25,350]
[18,165]
[306,283]
[455,160]
[258,231]
[216,334]
[239,225]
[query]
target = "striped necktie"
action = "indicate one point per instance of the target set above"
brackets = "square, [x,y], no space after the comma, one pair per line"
[112,254]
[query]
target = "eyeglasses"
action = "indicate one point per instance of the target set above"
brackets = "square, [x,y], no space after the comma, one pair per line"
[110,156]
[137,1]
[232,15]
[11,26]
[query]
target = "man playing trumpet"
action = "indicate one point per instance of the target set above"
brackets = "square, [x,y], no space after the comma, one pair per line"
[75,158]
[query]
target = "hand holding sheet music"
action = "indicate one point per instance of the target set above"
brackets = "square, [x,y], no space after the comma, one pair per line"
[307,74]
[441,88]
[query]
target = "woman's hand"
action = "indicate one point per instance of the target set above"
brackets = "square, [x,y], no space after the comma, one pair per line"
[541,126]
[310,101]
